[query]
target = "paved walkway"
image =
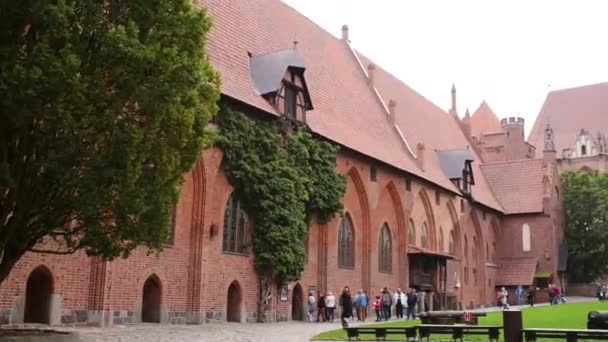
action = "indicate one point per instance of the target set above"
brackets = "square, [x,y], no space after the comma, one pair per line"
[233,332]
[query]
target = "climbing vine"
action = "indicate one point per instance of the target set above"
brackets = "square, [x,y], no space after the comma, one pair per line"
[283,178]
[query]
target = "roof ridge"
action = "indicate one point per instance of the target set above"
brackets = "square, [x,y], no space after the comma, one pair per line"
[515,161]
[578,87]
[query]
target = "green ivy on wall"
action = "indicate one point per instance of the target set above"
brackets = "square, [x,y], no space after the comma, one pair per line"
[283,178]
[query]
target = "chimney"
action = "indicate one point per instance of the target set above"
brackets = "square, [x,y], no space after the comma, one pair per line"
[391,110]
[420,154]
[371,68]
[345,33]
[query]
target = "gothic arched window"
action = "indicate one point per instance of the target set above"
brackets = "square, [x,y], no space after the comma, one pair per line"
[411,234]
[346,242]
[385,250]
[441,245]
[452,244]
[235,223]
[424,236]
[525,237]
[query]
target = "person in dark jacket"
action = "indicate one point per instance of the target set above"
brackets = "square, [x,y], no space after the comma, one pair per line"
[347,303]
[321,308]
[412,300]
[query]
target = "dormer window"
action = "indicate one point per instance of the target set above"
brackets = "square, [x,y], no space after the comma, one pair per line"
[279,78]
[457,166]
[291,101]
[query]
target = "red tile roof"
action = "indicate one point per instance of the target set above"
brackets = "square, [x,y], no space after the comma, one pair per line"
[568,111]
[484,121]
[518,185]
[346,108]
[420,250]
[513,272]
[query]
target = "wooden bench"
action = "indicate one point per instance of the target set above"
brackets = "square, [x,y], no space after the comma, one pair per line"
[458,331]
[570,335]
[380,333]
[448,317]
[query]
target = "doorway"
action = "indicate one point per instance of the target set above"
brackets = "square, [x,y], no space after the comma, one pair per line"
[38,293]
[297,312]
[233,310]
[150,306]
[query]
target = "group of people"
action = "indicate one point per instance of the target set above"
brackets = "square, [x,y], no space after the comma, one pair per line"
[555,294]
[384,303]
[601,292]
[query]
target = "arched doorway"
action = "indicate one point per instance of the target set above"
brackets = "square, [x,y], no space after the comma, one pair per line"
[233,310]
[39,290]
[150,306]
[297,312]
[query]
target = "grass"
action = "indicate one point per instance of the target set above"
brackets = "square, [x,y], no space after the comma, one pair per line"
[565,316]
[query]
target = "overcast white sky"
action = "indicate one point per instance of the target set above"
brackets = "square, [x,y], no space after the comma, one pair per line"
[510,53]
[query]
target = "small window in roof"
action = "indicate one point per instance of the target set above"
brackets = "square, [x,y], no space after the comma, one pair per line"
[373,173]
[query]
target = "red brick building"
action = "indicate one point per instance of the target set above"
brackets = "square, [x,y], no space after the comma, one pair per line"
[422,209]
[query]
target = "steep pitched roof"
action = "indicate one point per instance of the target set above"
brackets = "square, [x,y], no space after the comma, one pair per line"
[423,121]
[484,121]
[514,272]
[568,111]
[518,185]
[346,109]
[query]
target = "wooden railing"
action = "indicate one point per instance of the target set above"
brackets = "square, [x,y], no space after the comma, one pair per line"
[570,335]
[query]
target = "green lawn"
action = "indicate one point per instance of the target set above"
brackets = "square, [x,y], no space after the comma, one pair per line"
[565,316]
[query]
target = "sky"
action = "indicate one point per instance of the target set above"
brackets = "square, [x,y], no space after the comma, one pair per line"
[508,53]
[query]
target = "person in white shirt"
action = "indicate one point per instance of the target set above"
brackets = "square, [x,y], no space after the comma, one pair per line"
[330,303]
[311,306]
[400,300]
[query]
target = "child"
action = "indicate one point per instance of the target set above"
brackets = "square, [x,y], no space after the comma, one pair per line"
[378,308]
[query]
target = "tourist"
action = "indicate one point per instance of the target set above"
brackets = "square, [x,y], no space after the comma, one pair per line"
[356,305]
[400,300]
[531,293]
[330,304]
[387,303]
[520,294]
[367,302]
[412,301]
[551,294]
[598,291]
[321,308]
[378,308]
[361,305]
[504,297]
[346,303]
[311,306]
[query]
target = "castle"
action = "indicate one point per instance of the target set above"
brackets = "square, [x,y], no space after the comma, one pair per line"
[453,207]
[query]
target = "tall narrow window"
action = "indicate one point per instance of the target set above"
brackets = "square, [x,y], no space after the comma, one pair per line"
[474,277]
[291,101]
[452,243]
[408,184]
[346,243]
[583,150]
[411,234]
[494,251]
[474,251]
[466,249]
[437,197]
[385,250]
[235,222]
[424,236]
[373,173]
[487,252]
[441,246]
[525,237]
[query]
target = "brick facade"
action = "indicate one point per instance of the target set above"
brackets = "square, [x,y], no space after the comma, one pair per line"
[194,281]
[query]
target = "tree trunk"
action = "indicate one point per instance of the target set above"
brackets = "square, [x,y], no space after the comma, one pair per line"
[265,280]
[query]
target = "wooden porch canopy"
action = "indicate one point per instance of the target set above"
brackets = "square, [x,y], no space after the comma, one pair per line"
[412,250]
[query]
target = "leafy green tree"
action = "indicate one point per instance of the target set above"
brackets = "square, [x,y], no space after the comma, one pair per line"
[586,205]
[284,178]
[104,107]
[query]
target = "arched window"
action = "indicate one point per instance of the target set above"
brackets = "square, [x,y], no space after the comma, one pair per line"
[385,250]
[452,243]
[424,236]
[487,252]
[441,245]
[583,150]
[466,249]
[474,251]
[493,251]
[235,223]
[411,234]
[525,237]
[346,242]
